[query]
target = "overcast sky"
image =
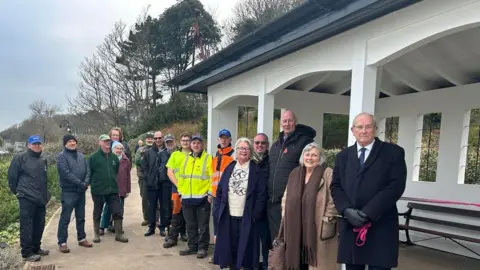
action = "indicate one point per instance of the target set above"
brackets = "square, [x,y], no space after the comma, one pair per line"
[44,41]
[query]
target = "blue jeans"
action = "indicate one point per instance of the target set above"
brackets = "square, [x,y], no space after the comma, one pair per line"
[71,201]
[106,216]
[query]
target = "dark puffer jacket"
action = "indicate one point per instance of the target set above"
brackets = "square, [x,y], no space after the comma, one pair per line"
[154,170]
[27,177]
[284,157]
[72,171]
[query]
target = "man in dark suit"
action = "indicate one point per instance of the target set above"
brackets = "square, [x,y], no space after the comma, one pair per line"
[368,179]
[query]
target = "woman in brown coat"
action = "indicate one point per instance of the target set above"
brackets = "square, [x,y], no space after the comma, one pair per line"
[309,215]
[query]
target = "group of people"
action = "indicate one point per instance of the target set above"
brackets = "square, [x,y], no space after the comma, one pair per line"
[256,195]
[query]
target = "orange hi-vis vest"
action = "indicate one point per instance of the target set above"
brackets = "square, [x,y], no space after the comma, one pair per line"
[223,157]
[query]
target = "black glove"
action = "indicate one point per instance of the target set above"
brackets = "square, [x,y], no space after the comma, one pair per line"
[363,215]
[353,217]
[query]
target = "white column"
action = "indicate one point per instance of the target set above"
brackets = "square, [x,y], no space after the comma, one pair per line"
[220,118]
[364,85]
[266,107]
[450,147]
[407,130]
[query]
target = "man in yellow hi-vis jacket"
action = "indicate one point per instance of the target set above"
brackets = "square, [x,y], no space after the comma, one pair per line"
[194,184]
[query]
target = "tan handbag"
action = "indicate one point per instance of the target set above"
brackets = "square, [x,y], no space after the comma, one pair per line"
[276,256]
[328,230]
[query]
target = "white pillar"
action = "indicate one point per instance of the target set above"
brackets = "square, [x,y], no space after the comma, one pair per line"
[220,118]
[364,85]
[450,148]
[266,107]
[407,130]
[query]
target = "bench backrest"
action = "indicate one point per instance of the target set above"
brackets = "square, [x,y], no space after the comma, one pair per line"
[444,209]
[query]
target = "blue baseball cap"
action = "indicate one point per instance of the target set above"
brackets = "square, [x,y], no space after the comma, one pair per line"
[34,139]
[224,132]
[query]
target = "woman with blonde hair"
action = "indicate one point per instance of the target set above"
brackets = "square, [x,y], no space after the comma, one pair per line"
[309,215]
[240,202]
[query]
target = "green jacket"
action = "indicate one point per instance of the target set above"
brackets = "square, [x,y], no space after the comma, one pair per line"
[103,173]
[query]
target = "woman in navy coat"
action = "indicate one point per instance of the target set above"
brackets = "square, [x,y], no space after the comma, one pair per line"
[241,201]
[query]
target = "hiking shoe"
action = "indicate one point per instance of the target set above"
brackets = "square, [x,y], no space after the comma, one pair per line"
[101,231]
[210,260]
[169,243]
[188,251]
[202,253]
[32,258]
[63,248]
[149,231]
[43,252]
[111,229]
[145,223]
[85,243]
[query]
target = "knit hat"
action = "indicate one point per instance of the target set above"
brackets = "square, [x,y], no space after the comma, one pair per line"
[67,138]
[115,144]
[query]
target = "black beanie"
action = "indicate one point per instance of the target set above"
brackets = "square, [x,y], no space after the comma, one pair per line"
[67,138]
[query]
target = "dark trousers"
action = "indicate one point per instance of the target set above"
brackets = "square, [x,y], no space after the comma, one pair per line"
[144,195]
[197,219]
[215,218]
[235,230]
[177,227]
[107,216]
[274,215]
[160,196]
[32,223]
[362,267]
[113,202]
[265,240]
[71,201]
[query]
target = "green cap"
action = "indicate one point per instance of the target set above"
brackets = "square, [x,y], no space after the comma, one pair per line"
[104,137]
[150,134]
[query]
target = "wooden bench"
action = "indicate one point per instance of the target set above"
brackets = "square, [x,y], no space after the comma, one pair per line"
[409,216]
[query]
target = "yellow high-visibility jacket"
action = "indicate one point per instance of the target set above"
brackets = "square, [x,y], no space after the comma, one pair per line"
[195,178]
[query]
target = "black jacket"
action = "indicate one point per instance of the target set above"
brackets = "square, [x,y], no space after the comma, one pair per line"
[375,189]
[154,170]
[284,157]
[27,177]
[72,171]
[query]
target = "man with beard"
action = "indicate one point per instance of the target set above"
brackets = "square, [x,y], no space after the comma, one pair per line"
[27,179]
[154,176]
[260,147]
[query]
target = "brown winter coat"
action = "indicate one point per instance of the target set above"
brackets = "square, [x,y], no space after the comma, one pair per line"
[326,250]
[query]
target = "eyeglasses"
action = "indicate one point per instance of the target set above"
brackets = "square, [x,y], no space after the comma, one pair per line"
[246,149]
[158,138]
[260,142]
[367,127]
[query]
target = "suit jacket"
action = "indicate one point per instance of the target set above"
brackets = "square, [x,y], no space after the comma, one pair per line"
[375,189]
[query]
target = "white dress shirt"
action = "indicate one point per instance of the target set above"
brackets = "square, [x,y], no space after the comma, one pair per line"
[367,152]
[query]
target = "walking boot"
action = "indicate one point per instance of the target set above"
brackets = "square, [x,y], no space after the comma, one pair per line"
[119,236]
[170,243]
[96,231]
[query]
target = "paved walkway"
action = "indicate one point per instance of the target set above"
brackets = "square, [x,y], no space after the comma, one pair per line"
[147,252]
[139,253]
